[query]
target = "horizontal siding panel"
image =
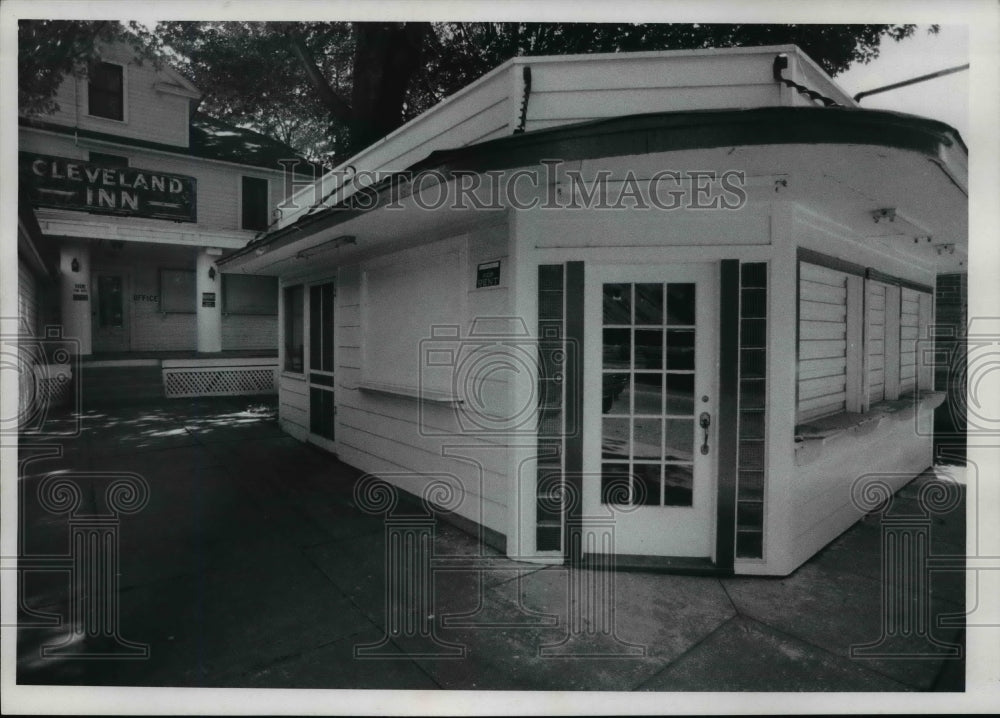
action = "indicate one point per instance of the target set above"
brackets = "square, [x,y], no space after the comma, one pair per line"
[348,357]
[822,349]
[817,311]
[815,368]
[489,513]
[816,292]
[821,275]
[292,386]
[421,463]
[811,330]
[823,386]
[294,414]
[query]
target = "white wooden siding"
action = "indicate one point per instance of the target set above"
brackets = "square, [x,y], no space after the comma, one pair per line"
[909,330]
[822,380]
[150,115]
[875,340]
[397,437]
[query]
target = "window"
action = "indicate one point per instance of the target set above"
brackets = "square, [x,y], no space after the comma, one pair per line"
[255,203]
[859,334]
[249,294]
[108,160]
[106,91]
[177,291]
[293,329]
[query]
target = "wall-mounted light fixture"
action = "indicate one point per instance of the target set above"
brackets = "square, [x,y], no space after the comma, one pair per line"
[75,265]
[211,272]
[335,243]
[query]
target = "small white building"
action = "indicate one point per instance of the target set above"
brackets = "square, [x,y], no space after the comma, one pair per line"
[668,305]
[139,194]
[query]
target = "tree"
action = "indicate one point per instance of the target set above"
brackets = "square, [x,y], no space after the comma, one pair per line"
[329,89]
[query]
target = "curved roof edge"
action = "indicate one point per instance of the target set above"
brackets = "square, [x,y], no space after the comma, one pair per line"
[658,132]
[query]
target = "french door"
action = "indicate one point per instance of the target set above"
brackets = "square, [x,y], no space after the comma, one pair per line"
[650,377]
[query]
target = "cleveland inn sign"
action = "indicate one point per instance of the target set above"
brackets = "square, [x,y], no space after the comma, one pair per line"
[63,183]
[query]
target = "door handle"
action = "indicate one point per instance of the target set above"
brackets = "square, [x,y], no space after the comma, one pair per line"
[705,421]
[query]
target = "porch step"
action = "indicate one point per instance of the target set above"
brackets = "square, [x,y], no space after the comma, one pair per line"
[120,384]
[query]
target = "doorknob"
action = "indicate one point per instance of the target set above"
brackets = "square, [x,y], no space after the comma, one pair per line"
[705,421]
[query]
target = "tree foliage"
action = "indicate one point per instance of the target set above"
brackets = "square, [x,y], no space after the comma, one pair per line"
[331,88]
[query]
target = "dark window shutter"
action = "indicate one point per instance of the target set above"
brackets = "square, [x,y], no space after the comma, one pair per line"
[255,205]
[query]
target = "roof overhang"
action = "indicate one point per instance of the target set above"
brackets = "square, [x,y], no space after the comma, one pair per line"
[847,163]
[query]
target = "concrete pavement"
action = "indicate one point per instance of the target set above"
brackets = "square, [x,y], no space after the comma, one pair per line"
[251,565]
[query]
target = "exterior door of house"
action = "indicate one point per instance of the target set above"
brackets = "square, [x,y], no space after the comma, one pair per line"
[649,433]
[322,409]
[110,312]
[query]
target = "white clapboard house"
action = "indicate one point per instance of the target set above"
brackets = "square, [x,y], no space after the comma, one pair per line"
[137,194]
[669,305]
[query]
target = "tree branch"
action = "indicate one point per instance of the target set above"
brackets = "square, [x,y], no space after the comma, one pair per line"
[336,105]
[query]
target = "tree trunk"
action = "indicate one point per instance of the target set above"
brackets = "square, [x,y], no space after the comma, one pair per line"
[386,57]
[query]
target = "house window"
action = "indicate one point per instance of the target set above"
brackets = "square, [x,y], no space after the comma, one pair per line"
[859,339]
[177,291]
[255,203]
[106,91]
[249,294]
[106,160]
[293,329]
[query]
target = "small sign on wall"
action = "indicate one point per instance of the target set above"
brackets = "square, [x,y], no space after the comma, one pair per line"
[208,299]
[79,292]
[488,274]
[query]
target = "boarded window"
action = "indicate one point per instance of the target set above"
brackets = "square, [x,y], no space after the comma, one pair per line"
[412,308]
[822,375]
[249,294]
[177,291]
[909,331]
[255,203]
[105,91]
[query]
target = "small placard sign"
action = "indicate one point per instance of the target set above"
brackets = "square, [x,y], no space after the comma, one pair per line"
[488,274]
[79,292]
[208,299]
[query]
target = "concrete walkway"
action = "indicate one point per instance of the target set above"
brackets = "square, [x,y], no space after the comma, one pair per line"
[251,566]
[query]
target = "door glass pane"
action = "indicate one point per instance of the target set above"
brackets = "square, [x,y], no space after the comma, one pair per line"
[680,349]
[680,394]
[617,349]
[648,349]
[648,393]
[616,390]
[679,439]
[614,439]
[649,304]
[617,303]
[678,481]
[646,439]
[109,301]
[680,303]
[646,484]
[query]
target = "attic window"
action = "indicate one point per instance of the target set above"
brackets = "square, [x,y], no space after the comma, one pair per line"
[106,91]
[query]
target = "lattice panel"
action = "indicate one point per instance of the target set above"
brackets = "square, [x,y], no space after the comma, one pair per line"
[218,381]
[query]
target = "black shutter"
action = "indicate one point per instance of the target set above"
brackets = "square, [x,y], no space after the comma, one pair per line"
[255,205]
